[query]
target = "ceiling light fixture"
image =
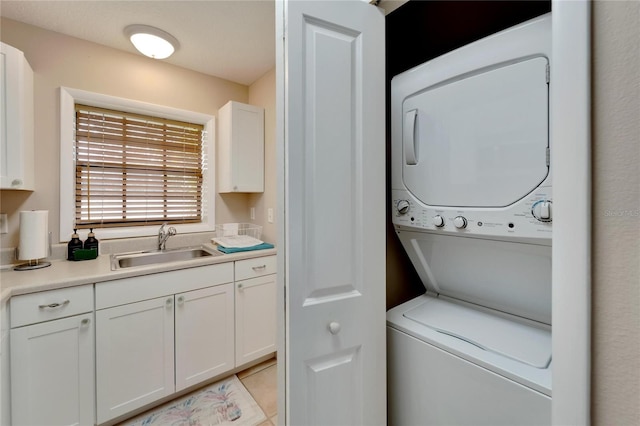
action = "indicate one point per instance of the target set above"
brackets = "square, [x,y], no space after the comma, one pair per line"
[152,42]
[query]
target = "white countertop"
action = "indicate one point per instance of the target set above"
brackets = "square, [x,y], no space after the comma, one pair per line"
[64,273]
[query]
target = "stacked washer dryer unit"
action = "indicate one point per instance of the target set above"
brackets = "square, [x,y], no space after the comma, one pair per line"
[472,206]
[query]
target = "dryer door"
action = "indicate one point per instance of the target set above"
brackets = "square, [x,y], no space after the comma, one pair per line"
[478,141]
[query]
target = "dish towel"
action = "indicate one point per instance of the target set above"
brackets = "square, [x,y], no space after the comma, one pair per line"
[228,250]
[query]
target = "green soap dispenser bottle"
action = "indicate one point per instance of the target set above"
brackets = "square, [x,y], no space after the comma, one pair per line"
[91,242]
[73,245]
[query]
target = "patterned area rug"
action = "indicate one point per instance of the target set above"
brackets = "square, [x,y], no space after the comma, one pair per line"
[226,402]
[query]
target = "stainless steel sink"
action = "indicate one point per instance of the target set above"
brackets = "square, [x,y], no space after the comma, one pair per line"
[130,260]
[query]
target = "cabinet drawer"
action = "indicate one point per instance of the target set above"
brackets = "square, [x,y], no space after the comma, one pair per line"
[50,305]
[256,267]
[135,289]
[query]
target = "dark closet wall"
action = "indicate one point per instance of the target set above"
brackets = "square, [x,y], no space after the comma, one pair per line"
[419,31]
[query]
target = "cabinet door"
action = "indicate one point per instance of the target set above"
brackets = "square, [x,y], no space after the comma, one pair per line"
[16,120]
[240,148]
[5,372]
[204,334]
[134,356]
[52,373]
[255,318]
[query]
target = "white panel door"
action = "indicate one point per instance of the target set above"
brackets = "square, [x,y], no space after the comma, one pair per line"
[204,334]
[331,83]
[134,356]
[52,373]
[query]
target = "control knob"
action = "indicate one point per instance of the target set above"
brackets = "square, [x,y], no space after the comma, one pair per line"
[541,210]
[460,222]
[438,221]
[402,206]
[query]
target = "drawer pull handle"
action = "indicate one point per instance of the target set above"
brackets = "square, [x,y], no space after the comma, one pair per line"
[259,268]
[54,305]
[180,300]
[240,287]
[85,321]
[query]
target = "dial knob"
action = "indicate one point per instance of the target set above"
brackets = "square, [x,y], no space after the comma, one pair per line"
[541,210]
[438,221]
[402,206]
[460,222]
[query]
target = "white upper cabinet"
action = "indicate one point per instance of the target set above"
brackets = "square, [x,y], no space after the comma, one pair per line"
[16,120]
[240,148]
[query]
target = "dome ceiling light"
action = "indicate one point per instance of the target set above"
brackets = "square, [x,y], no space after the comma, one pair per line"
[151,41]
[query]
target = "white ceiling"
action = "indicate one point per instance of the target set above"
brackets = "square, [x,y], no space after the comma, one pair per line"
[233,39]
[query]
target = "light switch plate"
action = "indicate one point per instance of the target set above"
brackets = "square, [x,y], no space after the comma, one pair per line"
[270,215]
[4,224]
[252,213]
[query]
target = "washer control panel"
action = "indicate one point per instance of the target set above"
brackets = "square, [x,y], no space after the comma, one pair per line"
[530,217]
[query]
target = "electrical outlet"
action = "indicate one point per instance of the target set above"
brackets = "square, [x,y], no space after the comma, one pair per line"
[252,213]
[270,215]
[4,224]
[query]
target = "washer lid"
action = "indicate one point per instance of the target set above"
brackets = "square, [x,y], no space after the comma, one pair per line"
[503,276]
[480,140]
[491,332]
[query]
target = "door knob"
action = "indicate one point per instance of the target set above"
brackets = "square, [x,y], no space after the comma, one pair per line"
[334,327]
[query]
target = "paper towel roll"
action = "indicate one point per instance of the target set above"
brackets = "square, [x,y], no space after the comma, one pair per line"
[34,235]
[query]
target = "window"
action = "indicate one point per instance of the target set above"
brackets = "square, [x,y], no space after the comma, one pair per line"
[127,166]
[136,169]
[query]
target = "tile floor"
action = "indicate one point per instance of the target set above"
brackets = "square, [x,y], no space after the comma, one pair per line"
[261,382]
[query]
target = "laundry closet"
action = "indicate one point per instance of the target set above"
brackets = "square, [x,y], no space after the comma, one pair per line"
[471,205]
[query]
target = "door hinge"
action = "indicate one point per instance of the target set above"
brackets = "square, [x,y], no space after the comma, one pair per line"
[548,157]
[548,73]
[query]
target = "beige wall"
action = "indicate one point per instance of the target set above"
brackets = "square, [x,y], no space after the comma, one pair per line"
[58,60]
[616,213]
[263,93]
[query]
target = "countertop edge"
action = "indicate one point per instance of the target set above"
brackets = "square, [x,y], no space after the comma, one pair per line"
[58,275]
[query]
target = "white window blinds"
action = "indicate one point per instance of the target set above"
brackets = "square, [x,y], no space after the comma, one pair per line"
[133,169]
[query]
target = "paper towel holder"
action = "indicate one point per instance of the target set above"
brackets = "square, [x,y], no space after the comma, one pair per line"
[32,263]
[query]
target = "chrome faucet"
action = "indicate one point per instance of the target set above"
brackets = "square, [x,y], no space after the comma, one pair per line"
[164,236]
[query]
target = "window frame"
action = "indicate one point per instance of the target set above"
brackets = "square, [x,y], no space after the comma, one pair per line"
[68,98]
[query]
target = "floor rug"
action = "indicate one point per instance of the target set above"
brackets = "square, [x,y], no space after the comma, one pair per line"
[226,402]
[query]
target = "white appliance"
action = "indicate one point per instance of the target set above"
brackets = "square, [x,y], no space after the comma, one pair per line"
[472,206]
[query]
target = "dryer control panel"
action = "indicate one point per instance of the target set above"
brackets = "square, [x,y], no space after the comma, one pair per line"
[530,217]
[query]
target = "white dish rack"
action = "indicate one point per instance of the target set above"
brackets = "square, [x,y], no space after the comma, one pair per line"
[238,235]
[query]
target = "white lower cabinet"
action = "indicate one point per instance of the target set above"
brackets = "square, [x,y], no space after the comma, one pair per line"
[204,334]
[255,290]
[52,362]
[5,372]
[134,356]
[153,335]
[181,334]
